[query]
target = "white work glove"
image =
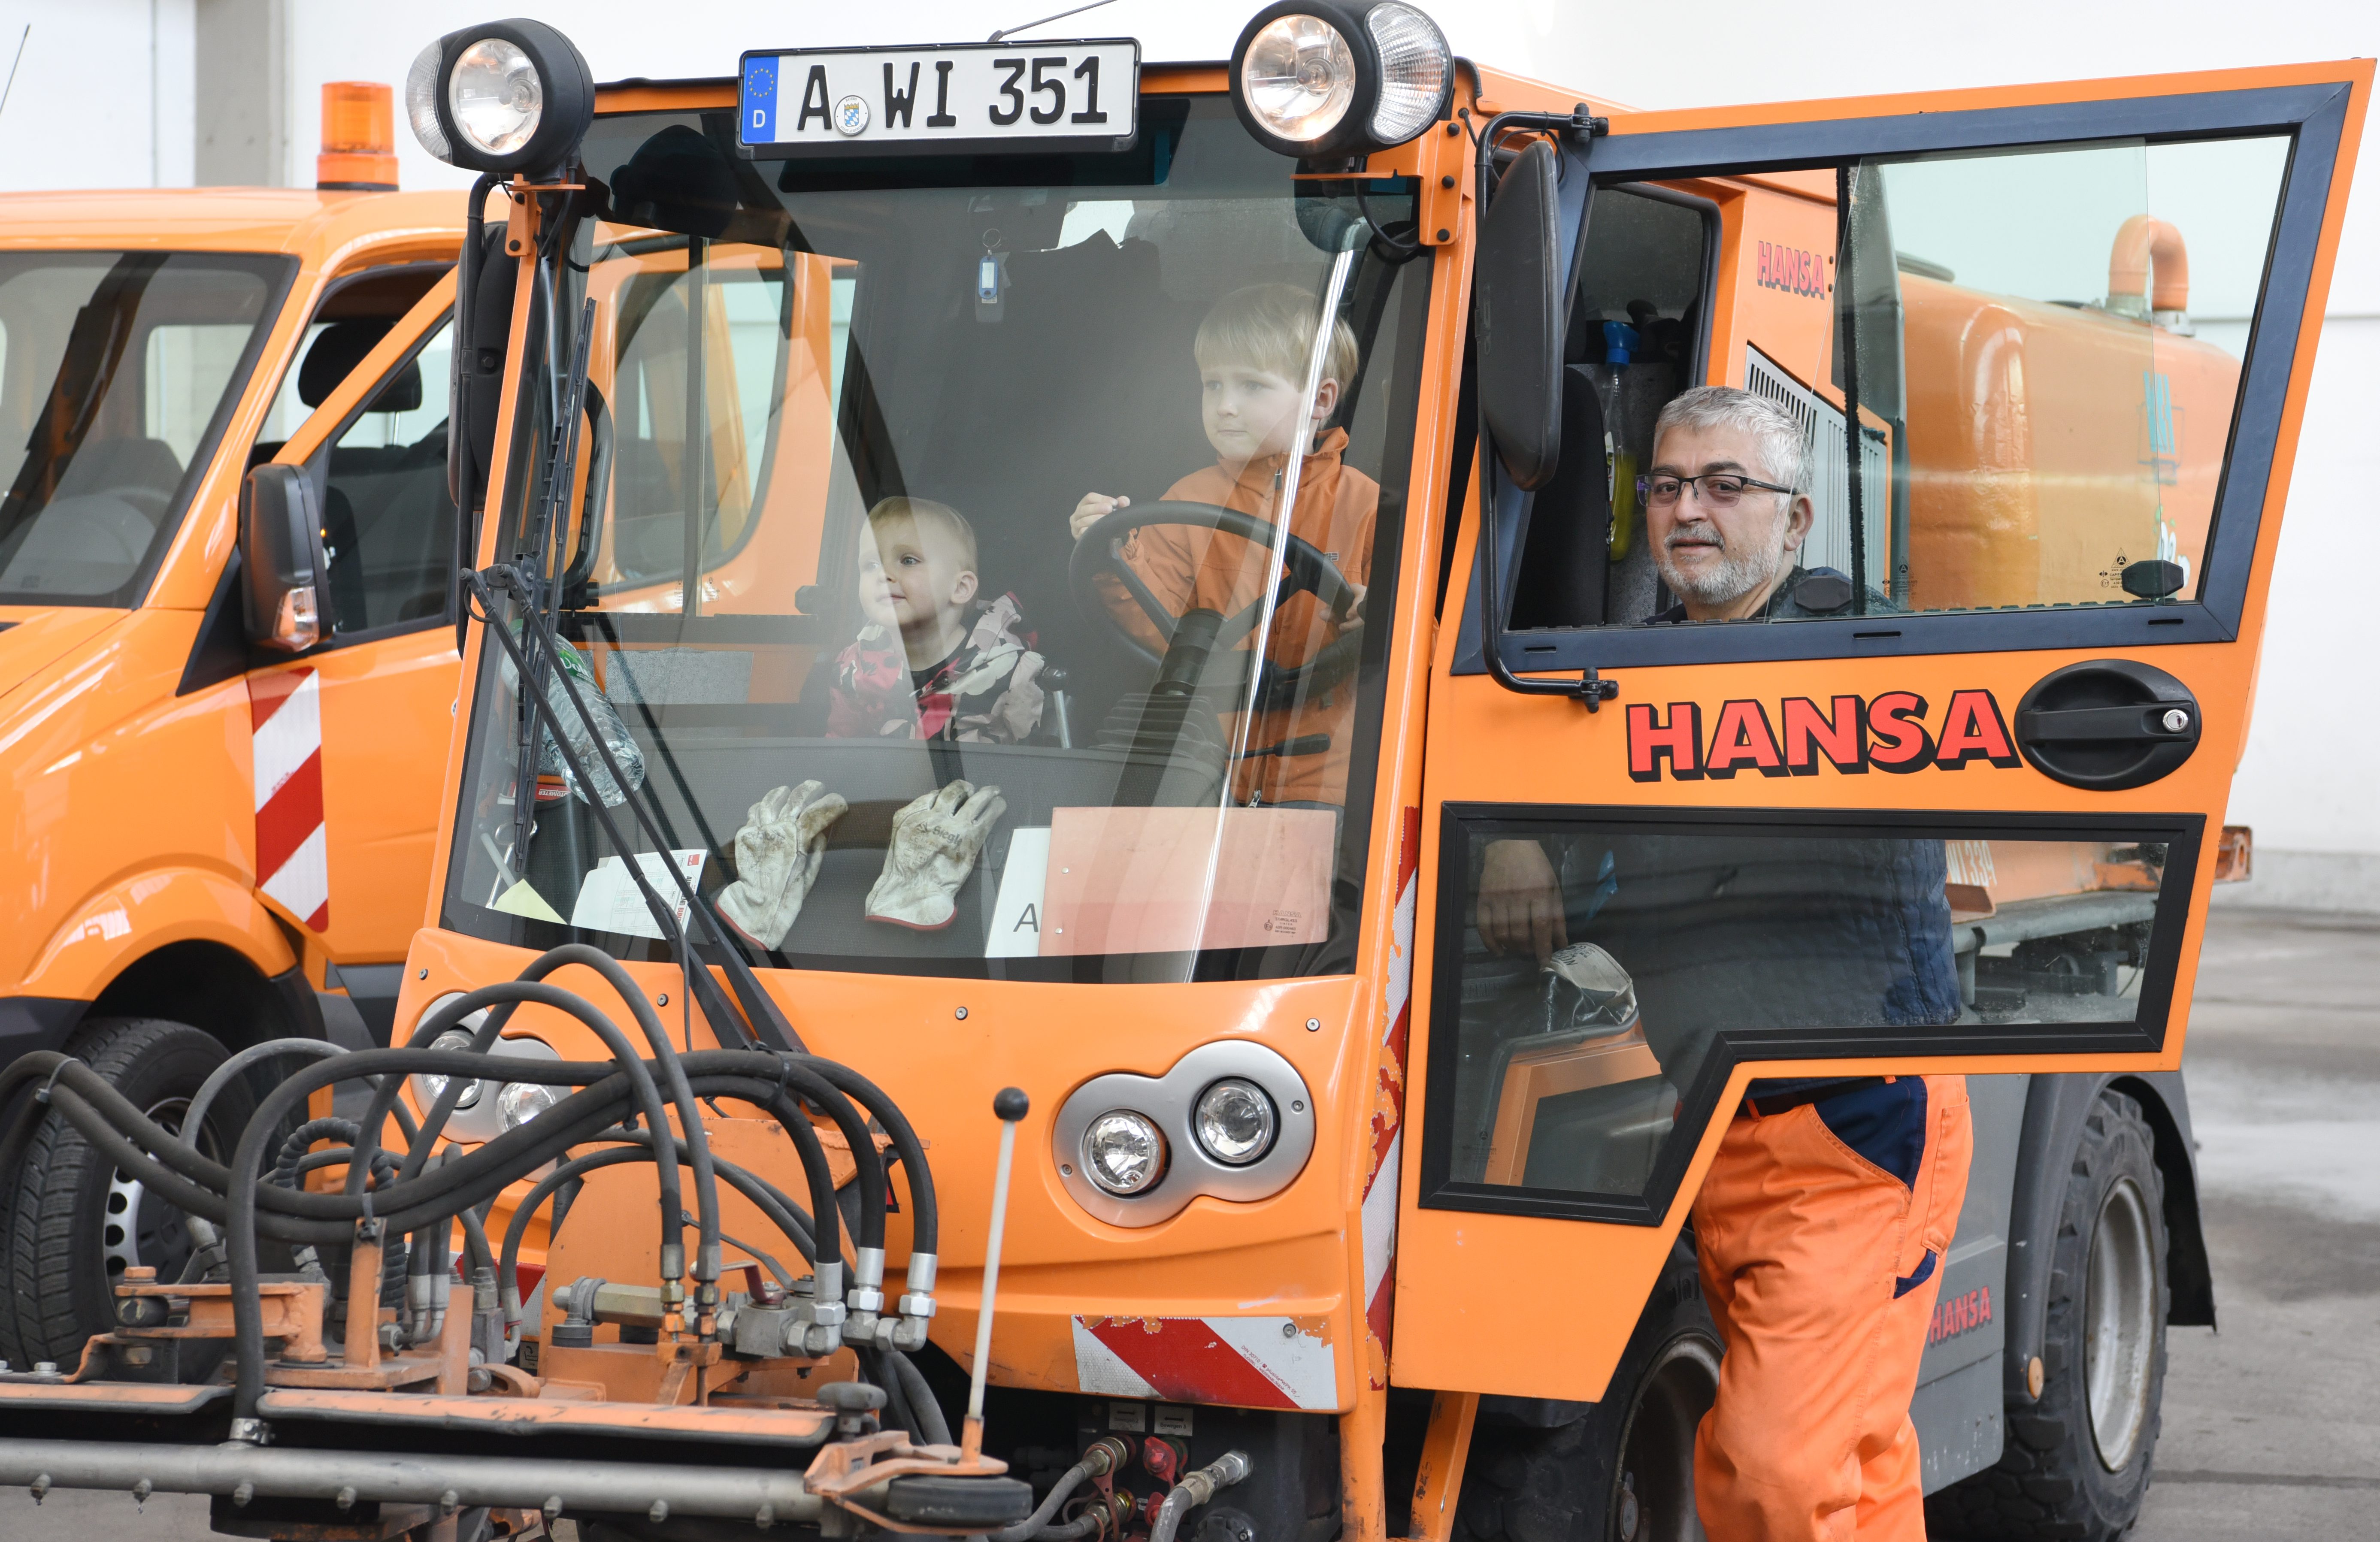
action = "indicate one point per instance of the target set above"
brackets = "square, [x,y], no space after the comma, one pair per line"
[935,841]
[777,857]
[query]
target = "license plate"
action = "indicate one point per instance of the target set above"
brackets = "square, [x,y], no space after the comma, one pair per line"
[957,98]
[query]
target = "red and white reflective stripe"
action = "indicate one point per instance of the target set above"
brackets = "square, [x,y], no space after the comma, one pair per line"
[293,864]
[1379,1210]
[1238,1362]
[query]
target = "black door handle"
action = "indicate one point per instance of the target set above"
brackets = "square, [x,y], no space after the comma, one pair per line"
[2157,722]
[2108,724]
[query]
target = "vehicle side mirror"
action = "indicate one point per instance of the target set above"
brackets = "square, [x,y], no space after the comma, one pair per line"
[1518,289]
[281,553]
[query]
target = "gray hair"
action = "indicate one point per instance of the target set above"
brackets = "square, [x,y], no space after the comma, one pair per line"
[1784,447]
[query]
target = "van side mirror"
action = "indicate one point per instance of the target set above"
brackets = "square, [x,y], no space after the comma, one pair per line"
[281,553]
[1518,294]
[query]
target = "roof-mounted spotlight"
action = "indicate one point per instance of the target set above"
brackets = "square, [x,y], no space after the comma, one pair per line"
[1322,79]
[505,96]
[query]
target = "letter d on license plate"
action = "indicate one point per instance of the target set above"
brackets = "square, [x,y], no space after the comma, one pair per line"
[971,99]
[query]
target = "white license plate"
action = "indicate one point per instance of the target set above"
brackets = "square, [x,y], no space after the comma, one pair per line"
[961,99]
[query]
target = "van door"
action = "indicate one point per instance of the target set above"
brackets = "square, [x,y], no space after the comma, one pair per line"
[351,738]
[1948,799]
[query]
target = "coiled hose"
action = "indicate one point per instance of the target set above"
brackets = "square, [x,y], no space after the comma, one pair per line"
[609,1100]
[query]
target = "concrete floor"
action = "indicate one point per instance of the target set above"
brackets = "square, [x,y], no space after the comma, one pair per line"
[2271,1426]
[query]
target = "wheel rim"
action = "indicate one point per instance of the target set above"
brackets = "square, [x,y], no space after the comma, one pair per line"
[1655,1502]
[141,1227]
[2121,1310]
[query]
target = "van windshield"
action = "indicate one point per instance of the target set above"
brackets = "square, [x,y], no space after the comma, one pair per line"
[117,372]
[928,520]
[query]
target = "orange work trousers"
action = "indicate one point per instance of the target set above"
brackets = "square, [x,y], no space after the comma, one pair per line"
[1822,1232]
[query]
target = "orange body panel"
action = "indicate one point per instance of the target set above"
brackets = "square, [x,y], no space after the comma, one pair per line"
[133,823]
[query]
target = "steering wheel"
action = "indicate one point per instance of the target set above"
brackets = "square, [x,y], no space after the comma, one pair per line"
[1097,554]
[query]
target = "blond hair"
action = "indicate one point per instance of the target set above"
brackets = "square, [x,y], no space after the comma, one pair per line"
[1271,327]
[923,512]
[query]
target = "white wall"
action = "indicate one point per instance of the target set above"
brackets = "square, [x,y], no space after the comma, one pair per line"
[2305,782]
[82,112]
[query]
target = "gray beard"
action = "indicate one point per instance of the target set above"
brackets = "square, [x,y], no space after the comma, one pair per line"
[1737,575]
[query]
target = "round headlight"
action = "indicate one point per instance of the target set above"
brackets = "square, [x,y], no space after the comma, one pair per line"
[1417,71]
[509,97]
[430,1088]
[421,102]
[494,96]
[521,1101]
[1298,76]
[1236,1122]
[1123,1152]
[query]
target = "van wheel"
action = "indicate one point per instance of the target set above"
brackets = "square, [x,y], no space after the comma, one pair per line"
[76,1222]
[2077,1460]
[1624,1470]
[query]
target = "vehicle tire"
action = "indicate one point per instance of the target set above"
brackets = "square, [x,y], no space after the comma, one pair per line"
[2077,1461]
[1623,1471]
[76,1223]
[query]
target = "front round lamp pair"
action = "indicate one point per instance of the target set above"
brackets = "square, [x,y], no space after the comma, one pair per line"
[1326,79]
[507,97]
[1125,1152]
[517,1102]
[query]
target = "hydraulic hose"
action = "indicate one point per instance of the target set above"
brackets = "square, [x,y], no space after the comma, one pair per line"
[764,1196]
[1060,1492]
[706,1184]
[925,1218]
[922,1400]
[1196,1489]
[504,997]
[429,1198]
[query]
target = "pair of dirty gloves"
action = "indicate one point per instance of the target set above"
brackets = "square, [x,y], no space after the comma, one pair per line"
[936,839]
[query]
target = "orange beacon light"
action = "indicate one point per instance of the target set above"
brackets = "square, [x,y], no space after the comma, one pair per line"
[358,139]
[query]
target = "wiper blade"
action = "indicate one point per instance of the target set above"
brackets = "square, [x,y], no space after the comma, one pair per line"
[768,1028]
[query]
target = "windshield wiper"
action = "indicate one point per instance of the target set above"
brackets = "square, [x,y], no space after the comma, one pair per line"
[768,1026]
[534,594]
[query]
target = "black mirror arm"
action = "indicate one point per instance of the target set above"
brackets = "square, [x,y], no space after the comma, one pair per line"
[1590,688]
[1577,126]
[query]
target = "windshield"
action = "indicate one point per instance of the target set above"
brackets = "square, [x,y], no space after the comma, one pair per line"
[1003,472]
[117,372]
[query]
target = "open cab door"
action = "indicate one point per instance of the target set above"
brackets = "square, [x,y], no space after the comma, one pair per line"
[1952,803]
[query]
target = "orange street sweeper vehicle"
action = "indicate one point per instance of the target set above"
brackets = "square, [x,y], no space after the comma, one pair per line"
[925,1027]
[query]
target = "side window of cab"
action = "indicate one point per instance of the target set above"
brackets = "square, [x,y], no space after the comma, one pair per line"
[2041,349]
[388,517]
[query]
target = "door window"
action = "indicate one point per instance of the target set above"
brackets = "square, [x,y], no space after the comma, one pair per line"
[1601,971]
[388,518]
[2045,350]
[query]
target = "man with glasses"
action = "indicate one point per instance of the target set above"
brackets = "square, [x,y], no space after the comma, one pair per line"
[1823,1219]
[1727,510]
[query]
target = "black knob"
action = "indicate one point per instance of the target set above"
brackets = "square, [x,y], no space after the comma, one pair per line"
[2154,580]
[1010,1104]
[851,1397]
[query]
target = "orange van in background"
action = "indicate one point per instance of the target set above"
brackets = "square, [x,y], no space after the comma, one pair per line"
[211,847]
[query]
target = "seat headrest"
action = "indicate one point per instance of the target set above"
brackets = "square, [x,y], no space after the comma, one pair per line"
[334,354]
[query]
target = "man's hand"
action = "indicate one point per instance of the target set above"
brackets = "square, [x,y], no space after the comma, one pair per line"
[1094,508]
[1520,901]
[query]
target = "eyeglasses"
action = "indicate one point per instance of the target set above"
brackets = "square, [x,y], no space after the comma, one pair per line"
[1719,490]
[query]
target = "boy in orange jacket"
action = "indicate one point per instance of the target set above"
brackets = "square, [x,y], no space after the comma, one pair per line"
[1253,350]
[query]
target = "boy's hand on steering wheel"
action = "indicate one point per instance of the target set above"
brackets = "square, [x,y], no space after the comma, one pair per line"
[1094,508]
